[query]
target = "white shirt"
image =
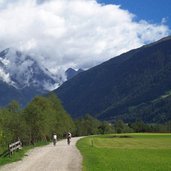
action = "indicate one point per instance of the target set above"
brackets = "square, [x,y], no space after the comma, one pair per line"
[54,137]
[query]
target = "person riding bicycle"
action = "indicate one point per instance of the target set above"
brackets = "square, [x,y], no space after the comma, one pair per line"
[69,137]
[54,139]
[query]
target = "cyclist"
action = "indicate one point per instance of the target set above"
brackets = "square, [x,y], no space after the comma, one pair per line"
[54,139]
[69,138]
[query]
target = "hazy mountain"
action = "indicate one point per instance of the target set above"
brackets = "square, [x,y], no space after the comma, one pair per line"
[114,88]
[70,73]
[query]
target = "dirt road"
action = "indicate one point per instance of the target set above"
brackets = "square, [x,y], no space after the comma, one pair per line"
[61,157]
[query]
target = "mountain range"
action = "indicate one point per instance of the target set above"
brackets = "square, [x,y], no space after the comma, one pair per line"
[22,77]
[135,85]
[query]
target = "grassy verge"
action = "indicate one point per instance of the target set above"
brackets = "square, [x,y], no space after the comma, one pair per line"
[130,152]
[18,155]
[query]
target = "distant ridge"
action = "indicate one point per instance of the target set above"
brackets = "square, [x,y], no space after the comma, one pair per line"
[70,73]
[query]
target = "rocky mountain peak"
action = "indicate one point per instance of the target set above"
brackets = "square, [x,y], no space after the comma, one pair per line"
[22,70]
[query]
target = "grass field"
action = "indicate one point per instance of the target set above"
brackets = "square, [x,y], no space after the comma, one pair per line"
[126,152]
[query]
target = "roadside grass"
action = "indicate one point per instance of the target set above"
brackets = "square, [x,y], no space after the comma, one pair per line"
[18,155]
[129,152]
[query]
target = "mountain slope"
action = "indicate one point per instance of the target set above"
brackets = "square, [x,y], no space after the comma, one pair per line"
[155,111]
[23,96]
[110,89]
[7,91]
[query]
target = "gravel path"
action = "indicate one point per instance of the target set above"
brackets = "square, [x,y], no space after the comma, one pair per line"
[61,157]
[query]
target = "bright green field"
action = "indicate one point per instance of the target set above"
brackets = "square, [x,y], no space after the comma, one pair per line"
[137,152]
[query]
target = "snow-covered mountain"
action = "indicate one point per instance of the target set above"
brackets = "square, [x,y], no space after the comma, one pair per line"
[22,77]
[21,70]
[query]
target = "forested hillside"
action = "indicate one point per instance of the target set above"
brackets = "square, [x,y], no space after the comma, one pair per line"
[155,111]
[110,90]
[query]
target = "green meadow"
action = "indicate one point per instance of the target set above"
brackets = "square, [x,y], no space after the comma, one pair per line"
[126,152]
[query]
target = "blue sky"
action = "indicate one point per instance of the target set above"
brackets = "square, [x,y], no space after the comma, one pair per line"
[152,11]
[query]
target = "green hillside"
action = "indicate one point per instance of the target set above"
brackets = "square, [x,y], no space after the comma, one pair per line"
[154,111]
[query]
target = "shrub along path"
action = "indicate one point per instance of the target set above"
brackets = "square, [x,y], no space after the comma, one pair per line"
[61,157]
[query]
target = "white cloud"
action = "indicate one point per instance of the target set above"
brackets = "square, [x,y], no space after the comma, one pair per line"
[77,33]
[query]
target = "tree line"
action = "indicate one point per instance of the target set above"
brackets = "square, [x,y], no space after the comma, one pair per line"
[89,125]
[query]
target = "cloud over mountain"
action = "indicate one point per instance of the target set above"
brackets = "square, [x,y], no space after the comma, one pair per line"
[78,33]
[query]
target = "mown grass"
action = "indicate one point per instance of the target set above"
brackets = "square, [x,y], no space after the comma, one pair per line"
[129,152]
[18,155]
